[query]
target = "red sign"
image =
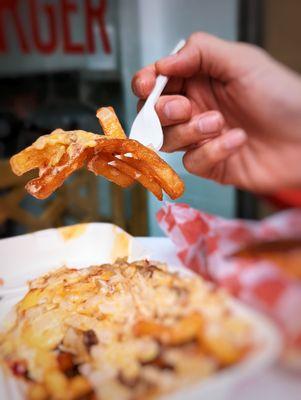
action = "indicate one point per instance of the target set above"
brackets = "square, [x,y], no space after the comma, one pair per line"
[57,18]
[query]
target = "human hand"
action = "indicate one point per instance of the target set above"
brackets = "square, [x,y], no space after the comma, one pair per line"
[234,110]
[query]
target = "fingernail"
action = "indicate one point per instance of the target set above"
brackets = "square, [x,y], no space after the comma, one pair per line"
[174,110]
[234,140]
[209,123]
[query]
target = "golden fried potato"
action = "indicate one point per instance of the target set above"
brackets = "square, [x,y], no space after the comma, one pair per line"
[112,155]
[110,123]
[56,156]
[167,178]
[183,331]
[100,166]
[123,167]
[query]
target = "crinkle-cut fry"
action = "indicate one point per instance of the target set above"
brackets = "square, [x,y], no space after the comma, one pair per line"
[183,331]
[146,180]
[99,166]
[167,178]
[110,123]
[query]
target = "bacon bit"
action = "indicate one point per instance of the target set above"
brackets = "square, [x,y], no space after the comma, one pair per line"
[148,271]
[65,361]
[160,363]
[19,368]
[90,338]
[66,364]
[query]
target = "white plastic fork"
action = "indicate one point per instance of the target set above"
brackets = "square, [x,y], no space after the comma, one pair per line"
[147,128]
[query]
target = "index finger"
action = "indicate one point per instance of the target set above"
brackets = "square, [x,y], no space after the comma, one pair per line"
[220,59]
[144,81]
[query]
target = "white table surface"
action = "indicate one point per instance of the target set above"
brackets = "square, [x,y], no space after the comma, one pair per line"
[276,383]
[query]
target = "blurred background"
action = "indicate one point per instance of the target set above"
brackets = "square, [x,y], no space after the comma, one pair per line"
[62,59]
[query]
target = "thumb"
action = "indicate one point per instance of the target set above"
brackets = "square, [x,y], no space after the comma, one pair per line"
[220,59]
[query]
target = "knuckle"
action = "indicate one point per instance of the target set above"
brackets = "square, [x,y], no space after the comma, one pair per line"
[198,36]
[195,36]
[208,155]
[250,49]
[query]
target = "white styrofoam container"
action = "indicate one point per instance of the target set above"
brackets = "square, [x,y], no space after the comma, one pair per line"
[28,256]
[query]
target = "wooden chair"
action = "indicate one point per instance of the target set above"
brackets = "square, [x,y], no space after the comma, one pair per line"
[77,201]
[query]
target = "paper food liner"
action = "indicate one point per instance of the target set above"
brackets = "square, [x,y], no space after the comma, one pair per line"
[204,243]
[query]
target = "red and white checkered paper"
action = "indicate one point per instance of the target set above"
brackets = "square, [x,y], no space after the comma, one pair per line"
[204,243]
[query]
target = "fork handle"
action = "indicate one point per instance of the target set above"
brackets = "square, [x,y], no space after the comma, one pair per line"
[162,80]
